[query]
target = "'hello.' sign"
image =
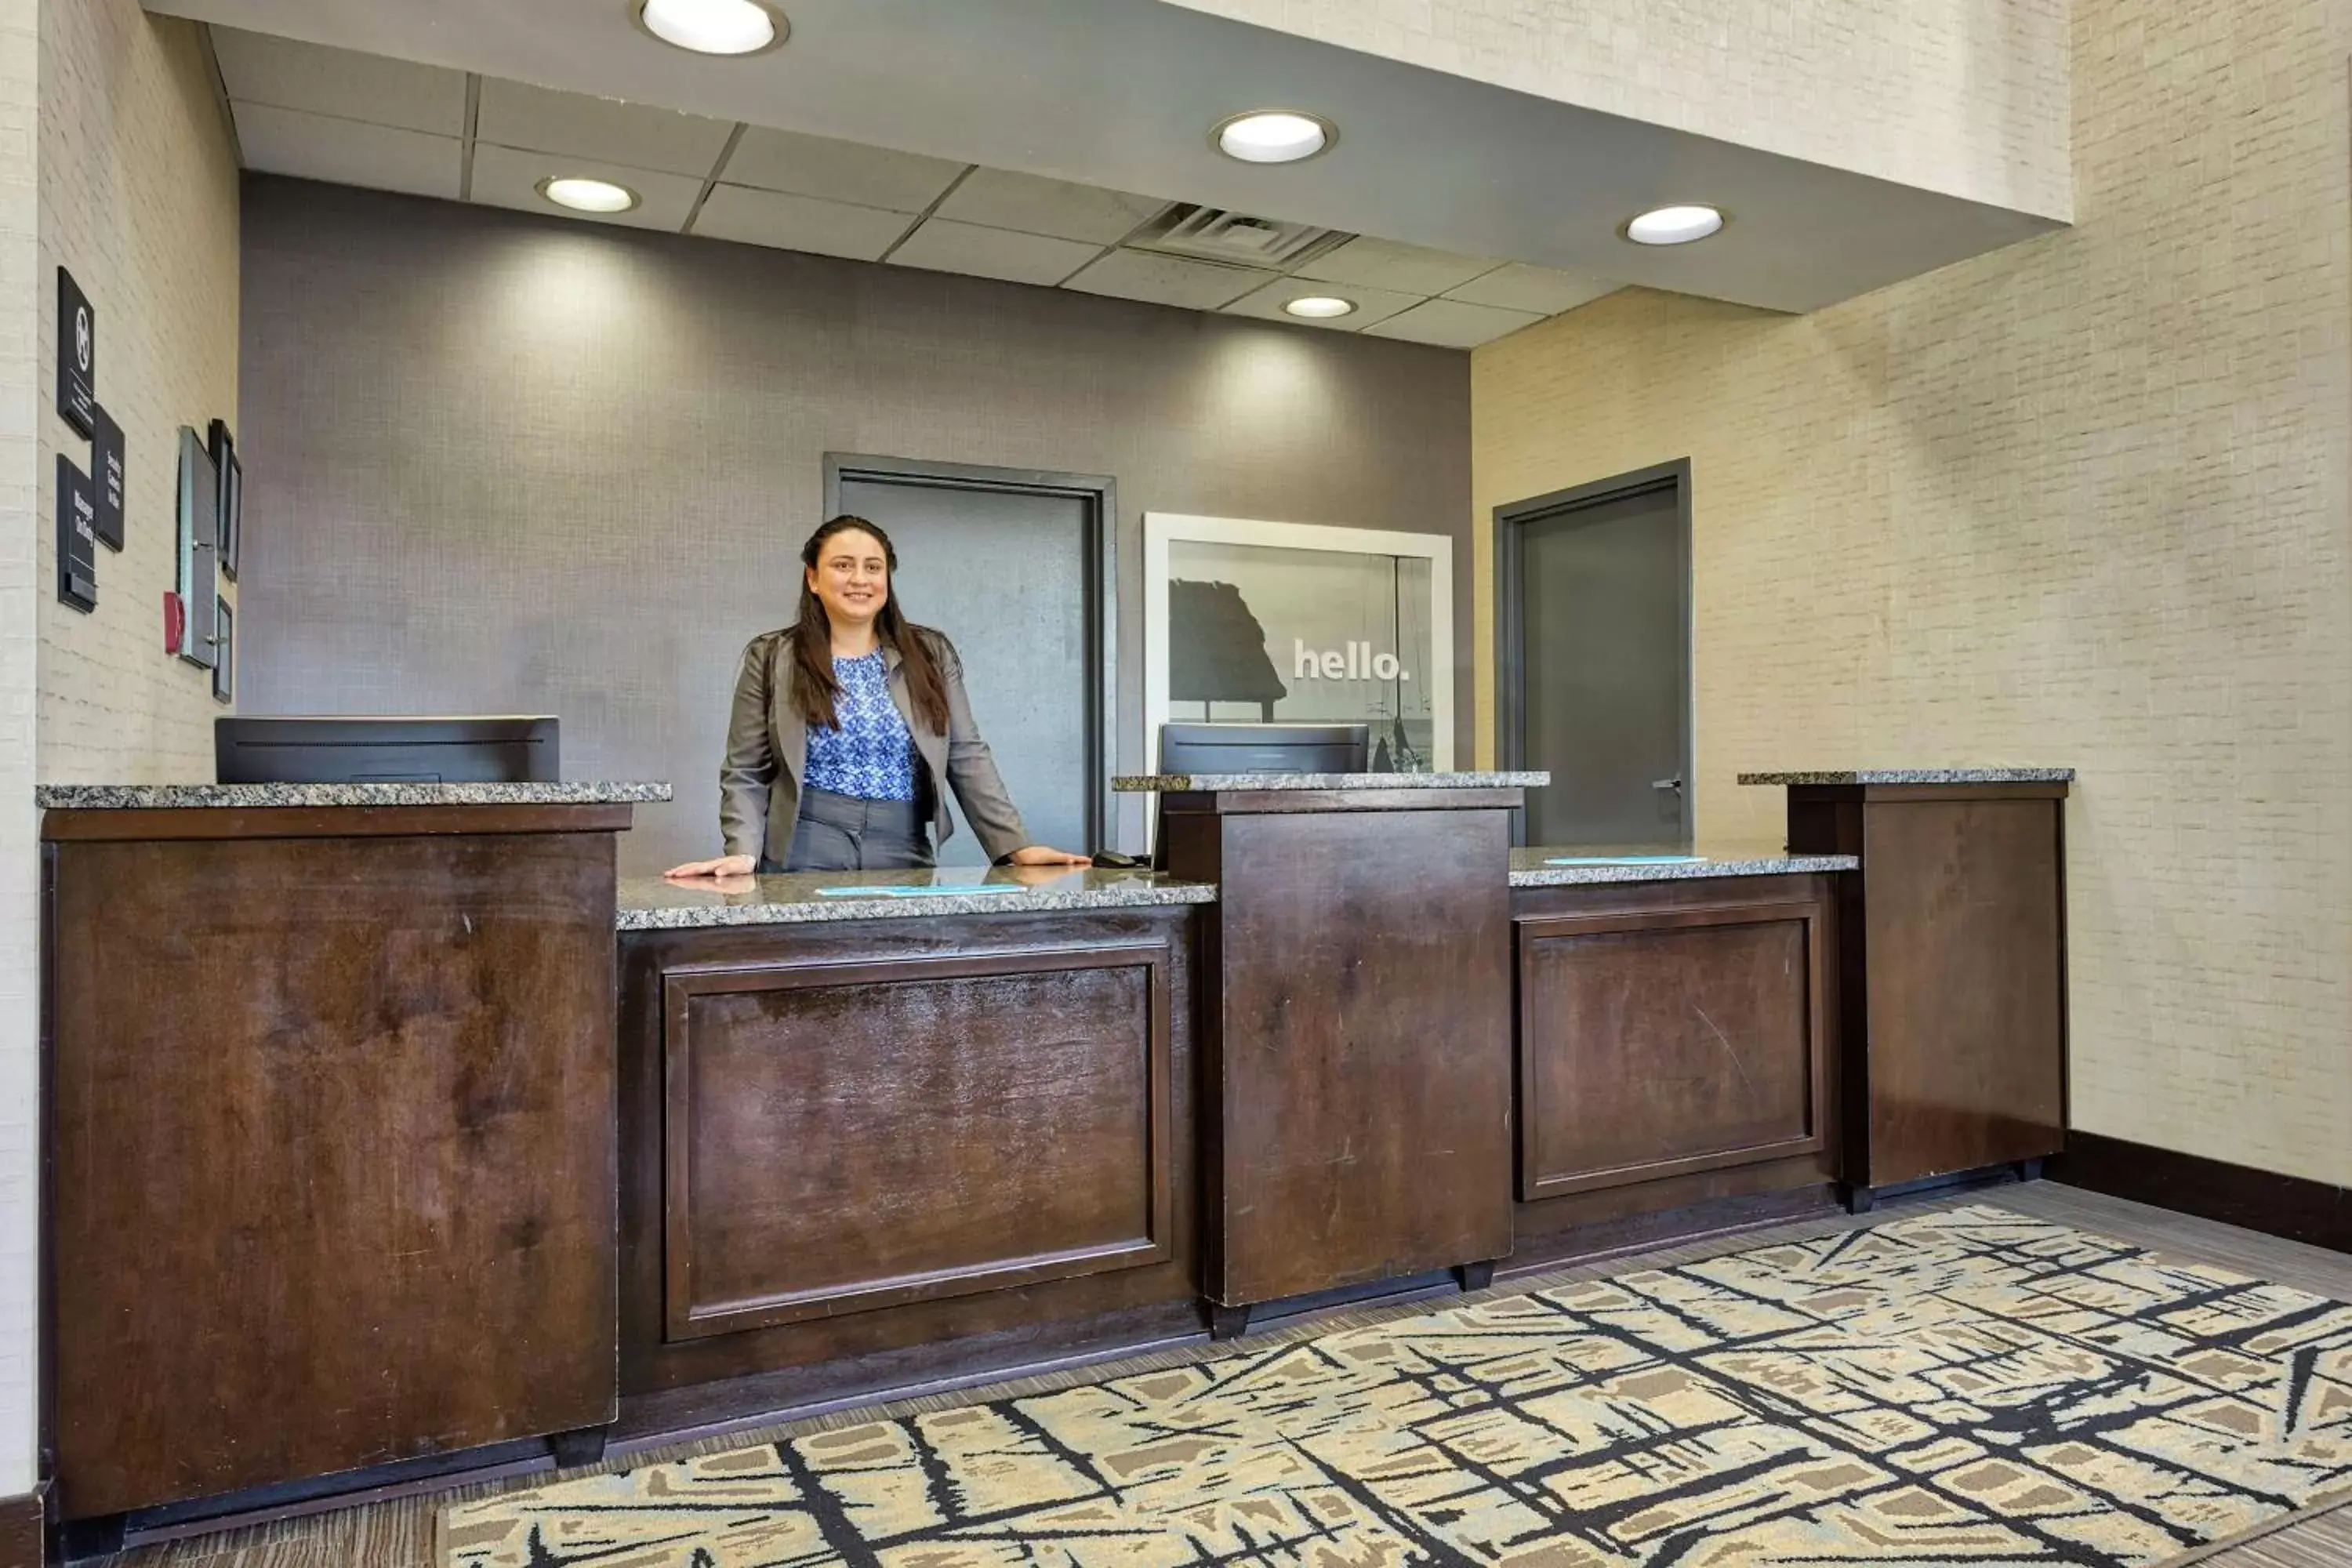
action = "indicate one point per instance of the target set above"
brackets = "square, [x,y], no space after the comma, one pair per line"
[1356,661]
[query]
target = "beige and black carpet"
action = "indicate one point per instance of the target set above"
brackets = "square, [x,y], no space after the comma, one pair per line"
[1969,1387]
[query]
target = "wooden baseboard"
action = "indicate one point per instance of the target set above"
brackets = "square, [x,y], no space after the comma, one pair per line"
[2292,1207]
[25,1529]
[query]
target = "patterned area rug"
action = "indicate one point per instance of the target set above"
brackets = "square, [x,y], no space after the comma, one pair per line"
[1963,1387]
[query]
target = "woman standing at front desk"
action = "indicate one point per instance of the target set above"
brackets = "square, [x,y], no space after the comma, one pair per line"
[849,726]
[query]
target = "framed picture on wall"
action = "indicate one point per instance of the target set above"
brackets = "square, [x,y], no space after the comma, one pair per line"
[1251,621]
[225,651]
[231,496]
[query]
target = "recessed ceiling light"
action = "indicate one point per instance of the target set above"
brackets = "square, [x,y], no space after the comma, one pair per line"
[586,195]
[1320,306]
[1674,226]
[714,27]
[1273,136]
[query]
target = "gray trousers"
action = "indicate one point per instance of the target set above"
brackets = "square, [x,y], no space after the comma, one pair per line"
[844,832]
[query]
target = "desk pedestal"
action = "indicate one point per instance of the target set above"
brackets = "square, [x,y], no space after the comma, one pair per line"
[1358,1005]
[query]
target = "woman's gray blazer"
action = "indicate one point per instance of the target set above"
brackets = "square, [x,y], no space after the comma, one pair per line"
[767,752]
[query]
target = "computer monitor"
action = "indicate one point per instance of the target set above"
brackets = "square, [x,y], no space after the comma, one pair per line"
[1256,749]
[1265,748]
[386,750]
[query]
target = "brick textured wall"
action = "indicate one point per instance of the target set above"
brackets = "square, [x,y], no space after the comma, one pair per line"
[1966,97]
[2080,501]
[138,200]
[20,568]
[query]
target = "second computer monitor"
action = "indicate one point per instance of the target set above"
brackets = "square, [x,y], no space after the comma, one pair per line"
[1265,748]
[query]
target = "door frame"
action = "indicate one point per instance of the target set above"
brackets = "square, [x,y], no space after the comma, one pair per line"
[1100,495]
[1511,651]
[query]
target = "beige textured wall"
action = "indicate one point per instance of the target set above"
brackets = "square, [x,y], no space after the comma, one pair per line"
[138,200]
[1966,97]
[20,577]
[2081,501]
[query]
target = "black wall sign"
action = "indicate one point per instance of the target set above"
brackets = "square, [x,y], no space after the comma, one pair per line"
[106,472]
[77,537]
[76,356]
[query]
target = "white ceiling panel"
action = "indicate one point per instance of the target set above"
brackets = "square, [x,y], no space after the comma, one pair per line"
[1385,264]
[799,223]
[1168,280]
[635,136]
[1451,323]
[1123,94]
[348,152]
[838,171]
[257,68]
[1519,287]
[1002,199]
[1371,304]
[505,178]
[943,246]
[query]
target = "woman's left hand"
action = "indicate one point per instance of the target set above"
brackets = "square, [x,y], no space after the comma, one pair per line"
[1039,854]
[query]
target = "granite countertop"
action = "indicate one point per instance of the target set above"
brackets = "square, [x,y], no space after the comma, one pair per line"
[1654,864]
[1183,783]
[652,903]
[1916,776]
[168,797]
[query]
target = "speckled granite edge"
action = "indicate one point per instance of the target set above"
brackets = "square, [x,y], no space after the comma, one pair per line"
[1916,776]
[173,797]
[811,910]
[1175,784]
[1542,876]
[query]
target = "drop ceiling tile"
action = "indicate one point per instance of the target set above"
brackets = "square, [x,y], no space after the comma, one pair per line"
[257,68]
[942,246]
[1451,323]
[1371,304]
[838,171]
[1032,205]
[1516,286]
[1385,264]
[505,178]
[348,152]
[1168,280]
[799,223]
[635,136]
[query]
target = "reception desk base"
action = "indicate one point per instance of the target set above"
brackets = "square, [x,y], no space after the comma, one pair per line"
[842,1149]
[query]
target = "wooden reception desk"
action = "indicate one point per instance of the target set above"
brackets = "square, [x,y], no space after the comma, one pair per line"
[354,1092]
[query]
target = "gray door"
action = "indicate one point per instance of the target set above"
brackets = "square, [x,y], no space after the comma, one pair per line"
[1599,578]
[1008,576]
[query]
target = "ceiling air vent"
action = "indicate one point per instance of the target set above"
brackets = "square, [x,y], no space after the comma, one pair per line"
[1213,234]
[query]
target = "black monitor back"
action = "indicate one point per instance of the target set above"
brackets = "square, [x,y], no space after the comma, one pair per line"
[1265,748]
[503,749]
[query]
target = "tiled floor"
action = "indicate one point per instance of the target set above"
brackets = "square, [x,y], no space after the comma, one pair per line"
[399,1534]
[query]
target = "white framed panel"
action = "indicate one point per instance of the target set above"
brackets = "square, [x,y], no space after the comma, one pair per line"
[1332,647]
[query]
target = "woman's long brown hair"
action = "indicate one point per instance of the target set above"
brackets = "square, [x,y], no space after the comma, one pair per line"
[814,687]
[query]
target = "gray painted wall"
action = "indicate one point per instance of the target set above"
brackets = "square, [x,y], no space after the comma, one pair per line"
[496,463]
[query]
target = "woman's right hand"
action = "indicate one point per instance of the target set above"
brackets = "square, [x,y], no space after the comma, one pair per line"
[725,865]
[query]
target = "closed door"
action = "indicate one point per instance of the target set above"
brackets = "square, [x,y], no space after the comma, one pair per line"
[1008,576]
[1596,590]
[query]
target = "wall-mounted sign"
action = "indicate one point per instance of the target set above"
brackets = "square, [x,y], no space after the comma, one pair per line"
[107,473]
[77,356]
[1262,622]
[77,537]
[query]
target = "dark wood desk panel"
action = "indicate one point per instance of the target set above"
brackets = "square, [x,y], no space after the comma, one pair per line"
[1361,1020]
[1677,1051]
[1954,972]
[331,1153]
[913,1148]
[1653,1043]
[845,1136]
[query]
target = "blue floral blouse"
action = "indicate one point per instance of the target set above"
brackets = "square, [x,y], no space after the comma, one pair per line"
[868,753]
